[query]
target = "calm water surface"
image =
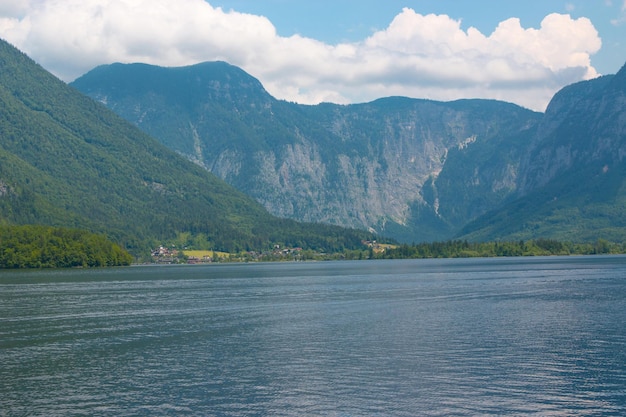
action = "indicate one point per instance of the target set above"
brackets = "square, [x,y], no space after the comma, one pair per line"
[531,336]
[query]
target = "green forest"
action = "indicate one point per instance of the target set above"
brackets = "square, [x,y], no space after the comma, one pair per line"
[447,249]
[67,161]
[34,246]
[465,249]
[52,247]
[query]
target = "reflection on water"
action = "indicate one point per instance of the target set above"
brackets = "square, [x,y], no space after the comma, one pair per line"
[541,336]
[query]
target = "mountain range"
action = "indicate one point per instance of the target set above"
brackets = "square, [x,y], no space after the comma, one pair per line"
[416,170]
[66,160]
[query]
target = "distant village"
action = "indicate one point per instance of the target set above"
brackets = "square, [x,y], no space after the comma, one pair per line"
[164,255]
[172,255]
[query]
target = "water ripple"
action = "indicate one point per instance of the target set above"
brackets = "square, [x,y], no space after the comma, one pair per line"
[441,337]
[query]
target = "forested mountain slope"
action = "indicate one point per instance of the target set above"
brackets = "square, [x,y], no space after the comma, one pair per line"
[66,160]
[572,182]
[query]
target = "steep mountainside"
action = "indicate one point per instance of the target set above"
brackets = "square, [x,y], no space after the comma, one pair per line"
[375,165]
[66,160]
[572,180]
[413,169]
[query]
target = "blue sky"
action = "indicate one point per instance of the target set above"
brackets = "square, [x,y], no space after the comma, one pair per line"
[352,20]
[342,51]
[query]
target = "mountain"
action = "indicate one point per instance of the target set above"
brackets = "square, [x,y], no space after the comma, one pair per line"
[417,170]
[377,166]
[572,179]
[66,160]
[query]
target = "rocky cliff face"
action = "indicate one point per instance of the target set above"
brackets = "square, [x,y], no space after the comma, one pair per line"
[363,165]
[566,135]
[572,178]
[394,147]
[413,169]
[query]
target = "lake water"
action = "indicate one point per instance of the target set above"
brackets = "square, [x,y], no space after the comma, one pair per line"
[506,336]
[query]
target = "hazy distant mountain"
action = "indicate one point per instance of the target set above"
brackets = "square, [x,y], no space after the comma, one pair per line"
[66,160]
[375,165]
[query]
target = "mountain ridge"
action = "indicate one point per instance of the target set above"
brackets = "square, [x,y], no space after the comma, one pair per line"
[415,169]
[66,160]
[574,178]
[360,165]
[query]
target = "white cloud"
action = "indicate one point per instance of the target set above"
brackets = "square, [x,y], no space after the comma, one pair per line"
[425,56]
[13,8]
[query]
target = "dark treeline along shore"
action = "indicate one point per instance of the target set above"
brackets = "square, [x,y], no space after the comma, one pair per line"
[465,249]
[31,246]
[53,247]
[447,249]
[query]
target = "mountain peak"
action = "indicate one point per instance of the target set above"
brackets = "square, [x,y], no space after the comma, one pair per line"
[69,161]
[216,79]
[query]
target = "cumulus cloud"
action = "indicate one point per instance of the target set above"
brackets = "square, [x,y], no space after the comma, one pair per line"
[425,56]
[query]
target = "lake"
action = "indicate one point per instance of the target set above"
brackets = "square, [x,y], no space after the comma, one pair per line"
[503,336]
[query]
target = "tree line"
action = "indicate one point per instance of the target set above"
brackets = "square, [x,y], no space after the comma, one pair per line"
[465,249]
[34,246]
